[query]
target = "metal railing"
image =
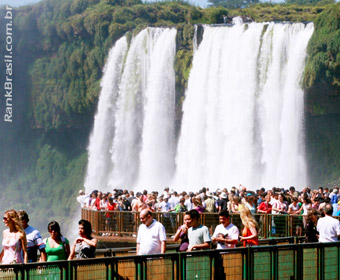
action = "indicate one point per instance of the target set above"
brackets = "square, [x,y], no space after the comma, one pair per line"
[292,261]
[126,223]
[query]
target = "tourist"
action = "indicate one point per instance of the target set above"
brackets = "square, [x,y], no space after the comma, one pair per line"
[334,195]
[226,234]
[182,233]
[82,198]
[140,204]
[306,207]
[57,246]
[295,207]
[188,202]
[311,233]
[34,240]
[199,236]
[84,247]
[250,230]
[328,227]
[14,242]
[249,202]
[173,200]
[91,202]
[103,202]
[164,206]
[109,216]
[222,202]
[96,205]
[265,207]
[210,206]
[126,203]
[278,207]
[151,237]
[131,197]
[236,204]
[197,201]
[180,208]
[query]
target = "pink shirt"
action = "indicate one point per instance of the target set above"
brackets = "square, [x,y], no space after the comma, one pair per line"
[12,250]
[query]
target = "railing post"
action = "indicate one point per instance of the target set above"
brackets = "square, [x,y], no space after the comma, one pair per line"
[275,263]
[290,225]
[299,261]
[182,265]
[321,261]
[249,263]
[175,267]
[95,223]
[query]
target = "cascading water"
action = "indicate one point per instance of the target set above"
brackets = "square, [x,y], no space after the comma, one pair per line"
[137,106]
[242,115]
[243,112]
[99,163]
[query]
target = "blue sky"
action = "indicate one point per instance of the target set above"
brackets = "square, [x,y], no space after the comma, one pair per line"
[16,3]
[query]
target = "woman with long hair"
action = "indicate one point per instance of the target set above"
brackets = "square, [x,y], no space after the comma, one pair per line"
[197,201]
[14,241]
[84,247]
[182,233]
[250,230]
[57,246]
[311,232]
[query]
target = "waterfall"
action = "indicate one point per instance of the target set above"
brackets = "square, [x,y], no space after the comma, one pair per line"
[134,126]
[99,162]
[242,113]
[243,110]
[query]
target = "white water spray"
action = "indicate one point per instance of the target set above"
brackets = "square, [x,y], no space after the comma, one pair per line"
[242,115]
[141,128]
[99,163]
[243,112]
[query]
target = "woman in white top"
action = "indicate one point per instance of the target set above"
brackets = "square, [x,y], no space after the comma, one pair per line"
[103,202]
[306,207]
[295,209]
[278,206]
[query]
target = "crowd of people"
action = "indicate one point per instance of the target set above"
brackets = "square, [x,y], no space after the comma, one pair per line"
[308,204]
[21,242]
[275,201]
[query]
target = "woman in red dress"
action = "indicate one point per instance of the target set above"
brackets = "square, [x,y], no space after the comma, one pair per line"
[250,232]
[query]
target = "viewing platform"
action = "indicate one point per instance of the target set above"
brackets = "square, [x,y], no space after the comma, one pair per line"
[120,227]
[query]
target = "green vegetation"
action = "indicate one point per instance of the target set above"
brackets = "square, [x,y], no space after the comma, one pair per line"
[233,4]
[62,46]
[282,12]
[323,65]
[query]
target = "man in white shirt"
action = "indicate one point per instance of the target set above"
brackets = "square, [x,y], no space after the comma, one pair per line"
[164,206]
[83,198]
[328,227]
[151,238]
[226,234]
